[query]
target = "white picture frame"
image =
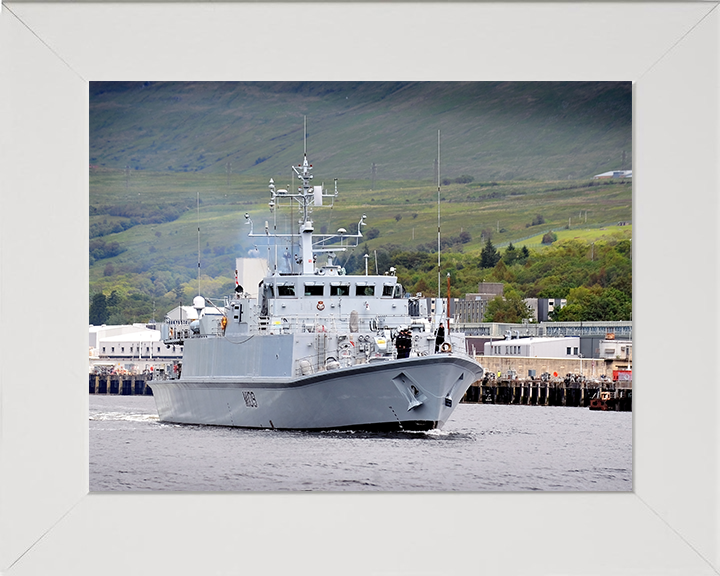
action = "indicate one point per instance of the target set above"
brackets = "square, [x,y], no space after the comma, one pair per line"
[669,524]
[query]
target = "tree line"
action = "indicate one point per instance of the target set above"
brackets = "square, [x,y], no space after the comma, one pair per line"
[132,214]
[595,279]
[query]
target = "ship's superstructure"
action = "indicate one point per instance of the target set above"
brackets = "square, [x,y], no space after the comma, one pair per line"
[316,348]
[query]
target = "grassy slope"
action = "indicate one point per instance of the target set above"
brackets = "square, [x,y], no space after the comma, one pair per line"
[492,131]
[223,232]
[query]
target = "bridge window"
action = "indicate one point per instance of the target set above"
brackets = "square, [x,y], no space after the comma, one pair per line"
[285,290]
[314,289]
[337,289]
[365,290]
[388,290]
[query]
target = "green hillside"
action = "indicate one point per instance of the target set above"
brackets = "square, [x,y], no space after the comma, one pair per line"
[153,218]
[489,130]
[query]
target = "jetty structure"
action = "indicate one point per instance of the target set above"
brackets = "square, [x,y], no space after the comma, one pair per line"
[316,348]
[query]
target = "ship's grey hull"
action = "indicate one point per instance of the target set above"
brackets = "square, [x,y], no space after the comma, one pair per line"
[409,394]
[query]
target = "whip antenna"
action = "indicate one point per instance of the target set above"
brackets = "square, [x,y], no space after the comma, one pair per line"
[438,207]
[198,227]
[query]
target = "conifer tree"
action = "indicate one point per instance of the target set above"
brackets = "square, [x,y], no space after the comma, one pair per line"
[489,255]
[511,255]
[98,309]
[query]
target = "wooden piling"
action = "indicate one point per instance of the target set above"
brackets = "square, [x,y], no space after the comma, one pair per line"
[518,392]
[129,385]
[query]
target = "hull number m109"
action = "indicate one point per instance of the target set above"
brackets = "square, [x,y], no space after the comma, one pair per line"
[250,400]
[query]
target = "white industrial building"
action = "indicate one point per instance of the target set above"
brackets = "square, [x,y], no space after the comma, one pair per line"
[563,347]
[615,350]
[133,347]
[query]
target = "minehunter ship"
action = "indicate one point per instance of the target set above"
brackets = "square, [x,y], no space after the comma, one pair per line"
[316,349]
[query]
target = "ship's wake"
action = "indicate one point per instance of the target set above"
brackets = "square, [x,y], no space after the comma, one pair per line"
[124,417]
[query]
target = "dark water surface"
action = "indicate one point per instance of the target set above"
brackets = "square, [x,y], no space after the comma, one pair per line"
[482,448]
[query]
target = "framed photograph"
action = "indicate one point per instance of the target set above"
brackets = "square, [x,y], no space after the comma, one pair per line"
[50,52]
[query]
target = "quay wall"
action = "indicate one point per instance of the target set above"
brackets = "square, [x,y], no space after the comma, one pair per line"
[560,391]
[123,385]
[588,367]
[538,393]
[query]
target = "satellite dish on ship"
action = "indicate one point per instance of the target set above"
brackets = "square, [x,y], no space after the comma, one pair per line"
[198,303]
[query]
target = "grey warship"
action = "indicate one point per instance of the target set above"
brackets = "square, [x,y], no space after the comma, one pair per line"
[316,348]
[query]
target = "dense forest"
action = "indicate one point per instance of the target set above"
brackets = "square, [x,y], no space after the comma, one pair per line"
[594,277]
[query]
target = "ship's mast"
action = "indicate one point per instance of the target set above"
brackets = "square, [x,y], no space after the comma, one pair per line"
[198,239]
[307,195]
[438,300]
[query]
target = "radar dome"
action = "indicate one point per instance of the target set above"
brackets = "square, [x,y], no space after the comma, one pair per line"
[198,302]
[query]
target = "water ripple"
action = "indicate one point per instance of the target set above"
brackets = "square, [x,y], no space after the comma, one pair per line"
[482,448]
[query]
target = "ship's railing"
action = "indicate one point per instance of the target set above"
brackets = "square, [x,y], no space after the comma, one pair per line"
[372,327]
[178,333]
[333,324]
[334,359]
[175,335]
[344,356]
